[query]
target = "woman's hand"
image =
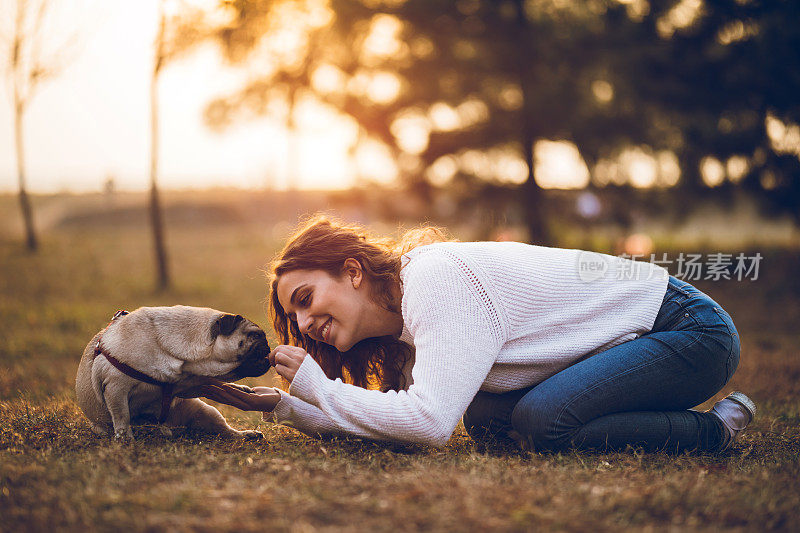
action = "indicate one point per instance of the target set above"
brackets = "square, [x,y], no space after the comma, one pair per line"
[286,360]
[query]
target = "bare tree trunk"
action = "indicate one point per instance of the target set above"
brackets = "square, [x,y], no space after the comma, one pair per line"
[532,196]
[163,280]
[28,67]
[293,171]
[24,201]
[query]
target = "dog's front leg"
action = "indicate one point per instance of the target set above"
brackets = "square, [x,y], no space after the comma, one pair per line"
[116,395]
[194,412]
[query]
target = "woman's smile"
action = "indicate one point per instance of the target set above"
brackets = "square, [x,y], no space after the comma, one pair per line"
[325,330]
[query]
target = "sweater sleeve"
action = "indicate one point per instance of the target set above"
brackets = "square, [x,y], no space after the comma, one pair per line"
[302,416]
[456,341]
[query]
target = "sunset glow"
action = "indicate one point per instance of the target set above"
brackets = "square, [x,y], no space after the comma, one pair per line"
[91,124]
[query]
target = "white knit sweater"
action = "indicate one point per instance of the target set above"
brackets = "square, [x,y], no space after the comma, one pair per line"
[496,316]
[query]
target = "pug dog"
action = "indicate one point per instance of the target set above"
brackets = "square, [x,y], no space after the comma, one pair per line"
[153,362]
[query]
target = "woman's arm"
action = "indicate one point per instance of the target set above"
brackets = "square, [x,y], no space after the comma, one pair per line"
[276,405]
[456,344]
[302,416]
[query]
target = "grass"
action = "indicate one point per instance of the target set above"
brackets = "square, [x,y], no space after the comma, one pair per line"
[56,475]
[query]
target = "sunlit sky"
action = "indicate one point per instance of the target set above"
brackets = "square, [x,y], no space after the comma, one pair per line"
[92,121]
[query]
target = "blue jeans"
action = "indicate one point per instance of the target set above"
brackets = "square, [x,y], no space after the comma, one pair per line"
[637,393]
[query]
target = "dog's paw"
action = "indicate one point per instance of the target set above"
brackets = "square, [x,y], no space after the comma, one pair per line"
[251,435]
[243,388]
[123,434]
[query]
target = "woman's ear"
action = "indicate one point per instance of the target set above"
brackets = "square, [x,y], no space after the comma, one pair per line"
[352,269]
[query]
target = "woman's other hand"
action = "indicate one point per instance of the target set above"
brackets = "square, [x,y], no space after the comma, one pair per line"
[286,360]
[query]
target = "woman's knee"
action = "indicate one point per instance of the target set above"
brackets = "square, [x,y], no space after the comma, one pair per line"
[475,419]
[488,416]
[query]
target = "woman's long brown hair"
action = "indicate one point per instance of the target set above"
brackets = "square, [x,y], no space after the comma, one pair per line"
[322,243]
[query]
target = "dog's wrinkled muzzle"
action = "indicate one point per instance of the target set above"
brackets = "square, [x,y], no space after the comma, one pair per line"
[255,361]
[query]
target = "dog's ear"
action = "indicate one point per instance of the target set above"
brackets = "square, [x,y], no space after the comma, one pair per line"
[225,325]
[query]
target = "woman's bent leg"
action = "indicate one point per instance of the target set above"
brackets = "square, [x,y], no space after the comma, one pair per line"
[636,393]
[639,392]
[488,417]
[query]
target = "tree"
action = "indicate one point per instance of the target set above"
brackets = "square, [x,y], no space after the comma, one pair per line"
[177,32]
[692,78]
[32,59]
[528,64]
[259,31]
[156,222]
[513,73]
[718,80]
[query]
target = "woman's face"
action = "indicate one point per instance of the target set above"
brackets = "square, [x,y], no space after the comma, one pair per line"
[326,308]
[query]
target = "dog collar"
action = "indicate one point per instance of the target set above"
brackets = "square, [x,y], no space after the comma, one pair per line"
[167,389]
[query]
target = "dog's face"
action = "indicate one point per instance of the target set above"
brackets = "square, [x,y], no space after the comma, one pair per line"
[238,348]
[184,342]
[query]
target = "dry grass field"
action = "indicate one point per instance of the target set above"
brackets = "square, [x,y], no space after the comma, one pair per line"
[56,475]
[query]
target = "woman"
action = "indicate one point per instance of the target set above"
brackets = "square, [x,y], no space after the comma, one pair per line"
[554,348]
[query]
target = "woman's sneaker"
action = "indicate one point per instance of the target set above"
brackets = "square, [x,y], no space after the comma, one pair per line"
[735,411]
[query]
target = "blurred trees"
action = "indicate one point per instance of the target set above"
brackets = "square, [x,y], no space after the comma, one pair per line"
[460,92]
[32,58]
[716,82]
